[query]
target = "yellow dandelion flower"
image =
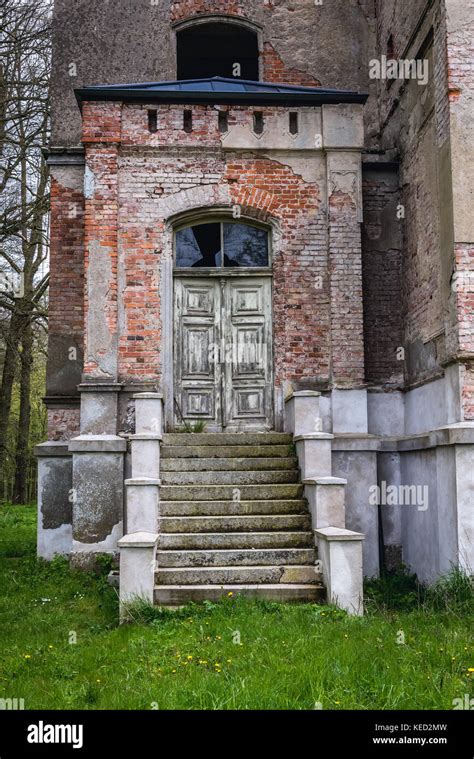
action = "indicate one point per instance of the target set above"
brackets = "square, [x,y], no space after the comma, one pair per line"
[229,594]
[190,658]
[470,669]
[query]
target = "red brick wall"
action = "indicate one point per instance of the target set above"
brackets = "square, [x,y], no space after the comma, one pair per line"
[300,294]
[415,128]
[66,265]
[382,279]
[66,308]
[182,9]
[63,423]
[149,185]
[467,391]
[347,321]
[275,70]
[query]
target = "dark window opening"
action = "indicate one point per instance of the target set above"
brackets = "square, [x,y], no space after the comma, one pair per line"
[218,245]
[152,121]
[188,121]
[258,122]
[217,49]
[223,121]
[293,123]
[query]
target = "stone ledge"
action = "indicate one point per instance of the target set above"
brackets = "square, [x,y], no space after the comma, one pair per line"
[338,533]
[302,394]
[147,396]
[142,481]
[314,436]
[145,436]
[97,444]
[100,387]
[53,448]
[138,540]
[324,481]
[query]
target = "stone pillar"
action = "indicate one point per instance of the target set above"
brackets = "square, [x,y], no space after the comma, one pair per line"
[143,488]
[302,414]
[314,455]
[149,413]
[99,402]
[340,553]
[54,534]
[137,575]
[464,455]
[98,469]
[326,499]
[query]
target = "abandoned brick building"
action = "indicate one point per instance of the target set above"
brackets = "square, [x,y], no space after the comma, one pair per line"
[260,372]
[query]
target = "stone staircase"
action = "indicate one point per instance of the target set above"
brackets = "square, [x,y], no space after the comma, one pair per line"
[232,519]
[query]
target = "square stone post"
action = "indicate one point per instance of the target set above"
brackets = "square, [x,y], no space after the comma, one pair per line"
[340,553]
[302,414]
[54,534]
[137,568]
[326,499]
[98,468]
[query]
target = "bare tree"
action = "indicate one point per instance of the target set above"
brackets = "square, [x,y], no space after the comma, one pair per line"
[25,55]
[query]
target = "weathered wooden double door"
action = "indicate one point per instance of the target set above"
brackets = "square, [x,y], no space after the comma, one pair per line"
[223,358]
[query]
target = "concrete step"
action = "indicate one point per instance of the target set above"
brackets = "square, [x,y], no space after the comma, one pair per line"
[257,523]
[233,540]
[234,464]
[231,508]
[243,557]
[267,492]
[299,575]
[227,438]
[226,451]
[272,477]
[178,595]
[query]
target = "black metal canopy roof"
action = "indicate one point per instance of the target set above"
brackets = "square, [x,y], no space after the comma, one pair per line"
[218,90]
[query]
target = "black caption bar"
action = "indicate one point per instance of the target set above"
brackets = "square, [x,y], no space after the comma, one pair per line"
[86,733]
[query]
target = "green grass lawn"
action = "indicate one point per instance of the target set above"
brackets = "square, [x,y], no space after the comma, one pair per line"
[237,654]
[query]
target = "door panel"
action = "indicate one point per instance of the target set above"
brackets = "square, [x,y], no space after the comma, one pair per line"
[223,352]
[196,331]
[249,376]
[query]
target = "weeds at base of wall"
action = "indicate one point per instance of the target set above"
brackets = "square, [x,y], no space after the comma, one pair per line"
[401,591]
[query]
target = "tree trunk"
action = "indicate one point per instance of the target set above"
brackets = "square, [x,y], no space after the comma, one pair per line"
[20,491]
[8,378]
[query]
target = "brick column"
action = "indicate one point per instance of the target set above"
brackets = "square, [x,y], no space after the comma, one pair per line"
[345,268]
[101,136]
[98,453]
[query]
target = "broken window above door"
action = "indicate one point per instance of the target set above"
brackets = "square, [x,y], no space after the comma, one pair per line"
[221,244]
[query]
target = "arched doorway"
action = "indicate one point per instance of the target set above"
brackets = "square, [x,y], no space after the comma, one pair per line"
[223,356]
